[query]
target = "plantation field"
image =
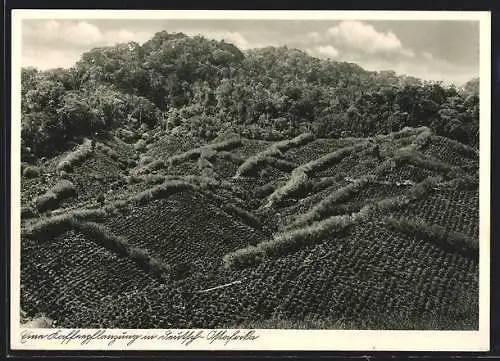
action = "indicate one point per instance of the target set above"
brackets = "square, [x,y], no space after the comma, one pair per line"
[166,232]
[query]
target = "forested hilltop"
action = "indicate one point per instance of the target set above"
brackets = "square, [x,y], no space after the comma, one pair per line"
[204,88]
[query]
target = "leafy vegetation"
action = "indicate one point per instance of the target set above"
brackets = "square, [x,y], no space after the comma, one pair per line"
[215,187]
[52,198]
[73,158]
[31,172]
[449,239]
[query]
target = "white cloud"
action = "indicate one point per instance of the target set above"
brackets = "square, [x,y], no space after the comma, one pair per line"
[425,68]
[60,43]
[44,59]
[427,55]
[79,33]
[328,50]
[235,38]
[123,36]
[360,37]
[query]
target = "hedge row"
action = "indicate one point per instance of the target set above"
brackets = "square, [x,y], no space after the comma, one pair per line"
[461,148]
[45,231]
[247,217]
[294,239]
[101,235]
[75,157]
[298,183]
[403,133]
[327,205]
[191,154]
[107,150]
[286,242]
[449,240]
[330,159]
[51,199]
[261,159]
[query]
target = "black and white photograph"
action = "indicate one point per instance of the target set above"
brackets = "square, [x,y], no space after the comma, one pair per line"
[251,173]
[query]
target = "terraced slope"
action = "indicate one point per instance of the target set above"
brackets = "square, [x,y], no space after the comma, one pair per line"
[345,233]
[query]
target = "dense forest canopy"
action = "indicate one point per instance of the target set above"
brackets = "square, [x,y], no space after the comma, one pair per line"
[199,87]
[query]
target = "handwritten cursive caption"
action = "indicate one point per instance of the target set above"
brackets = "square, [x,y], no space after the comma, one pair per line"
[128,338]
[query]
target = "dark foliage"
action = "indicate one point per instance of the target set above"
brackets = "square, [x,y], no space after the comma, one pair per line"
[193,86]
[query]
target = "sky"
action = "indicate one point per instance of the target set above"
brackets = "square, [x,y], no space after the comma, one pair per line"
[445,50]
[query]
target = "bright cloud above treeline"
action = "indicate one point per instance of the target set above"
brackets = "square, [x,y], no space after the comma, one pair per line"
[432,51]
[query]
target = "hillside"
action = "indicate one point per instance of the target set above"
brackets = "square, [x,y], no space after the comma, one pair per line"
[187,183]
[306,232]
[203,89]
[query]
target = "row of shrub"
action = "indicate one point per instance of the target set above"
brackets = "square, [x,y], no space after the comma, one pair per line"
[327,205]
[31,171]
[43,228]
[246,216]
[298,184]
[465,182]
[161,191]
[148,179]
[450,240]
[286,242]
[419,160]
[403,133]
[100,234]
[382,207]
[192,154]
[76,156]
[206,167]
[295,238]
[330,159]
[270,155]
[235,158]
[107,150]
[49,228]
[51,199]
[461,148]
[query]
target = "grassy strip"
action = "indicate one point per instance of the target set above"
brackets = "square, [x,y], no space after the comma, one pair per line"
[294,239]
[45,231]
[206,167]
[267,156]
[31,171]
[107,150]
[148,179]
[75,157]
[48,226]
[247,217]
[286,242]
[418,191]
[231,157]
[296,186]
[298,183]
[100,234]
[327,205]
[52,198]
[420,160]
[403,133]
[330,159]
[281,164]
[161,191]
[192,154]
[465,182]
[164,190]
[461,148]
[450,240]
